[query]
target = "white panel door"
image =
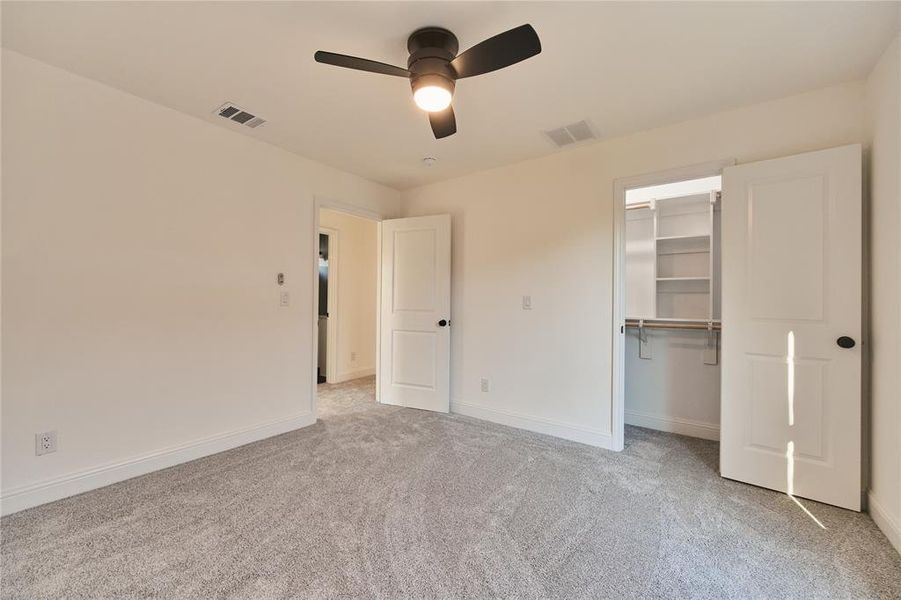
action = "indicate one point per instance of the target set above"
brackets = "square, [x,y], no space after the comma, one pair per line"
[791,277]
[414,344]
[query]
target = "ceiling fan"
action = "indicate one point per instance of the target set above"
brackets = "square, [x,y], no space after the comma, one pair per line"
[434,66]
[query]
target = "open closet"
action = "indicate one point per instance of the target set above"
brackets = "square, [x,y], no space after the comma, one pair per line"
[672,300]
[740,303]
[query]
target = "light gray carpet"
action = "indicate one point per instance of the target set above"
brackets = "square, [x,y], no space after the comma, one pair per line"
[376,501]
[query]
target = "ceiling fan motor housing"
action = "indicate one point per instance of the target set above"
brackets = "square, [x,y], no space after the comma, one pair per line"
[431,50]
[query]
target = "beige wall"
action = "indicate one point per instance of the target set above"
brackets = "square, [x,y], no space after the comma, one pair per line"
[356,292]
[140,248]
[884,111]
[141,317]
[544,228]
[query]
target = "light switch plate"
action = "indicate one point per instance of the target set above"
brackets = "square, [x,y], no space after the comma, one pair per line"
[527,303]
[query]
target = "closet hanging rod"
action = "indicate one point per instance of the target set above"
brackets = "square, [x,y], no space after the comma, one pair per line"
[692,324]
[638,205]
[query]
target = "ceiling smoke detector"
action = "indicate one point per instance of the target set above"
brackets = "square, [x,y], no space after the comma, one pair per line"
[239,115]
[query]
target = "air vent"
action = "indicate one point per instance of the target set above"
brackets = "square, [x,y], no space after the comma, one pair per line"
[239,115]
[571,134]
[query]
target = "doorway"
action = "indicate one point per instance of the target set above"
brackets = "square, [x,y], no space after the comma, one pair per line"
[327,238]
[386,327]
[791,366]
[347,296]
[671,302]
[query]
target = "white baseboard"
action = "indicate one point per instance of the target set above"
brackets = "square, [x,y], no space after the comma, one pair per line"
[885,521]
[349,375]
[567,431]
[698,429]
[49,490]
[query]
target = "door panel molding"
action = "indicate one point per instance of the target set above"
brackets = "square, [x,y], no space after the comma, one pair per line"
[414,286]
[791,404]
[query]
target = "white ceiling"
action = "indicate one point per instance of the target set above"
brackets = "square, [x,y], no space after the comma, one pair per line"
[623,66]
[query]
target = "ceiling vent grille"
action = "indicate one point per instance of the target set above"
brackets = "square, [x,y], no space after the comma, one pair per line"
[239,115]
[571,134]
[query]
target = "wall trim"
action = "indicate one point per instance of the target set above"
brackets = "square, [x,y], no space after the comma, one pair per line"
[350,375]
[885,521]
[689,427]
[347,207]
[34,494]
[576,433]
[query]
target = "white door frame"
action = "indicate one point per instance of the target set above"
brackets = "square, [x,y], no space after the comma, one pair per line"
[351,209]
[618,365]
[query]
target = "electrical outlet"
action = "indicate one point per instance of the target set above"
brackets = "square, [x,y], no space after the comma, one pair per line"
[284,299]
[44,443]
[353,357]
[527,303]
[486,384]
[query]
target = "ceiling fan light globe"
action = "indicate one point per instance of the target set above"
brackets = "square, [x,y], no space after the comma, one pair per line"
[432,98]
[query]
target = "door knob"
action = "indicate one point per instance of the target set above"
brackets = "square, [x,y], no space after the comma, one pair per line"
[442,323]
[845,342]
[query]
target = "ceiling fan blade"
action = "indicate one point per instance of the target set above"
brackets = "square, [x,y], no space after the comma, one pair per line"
[443,123]
[500,51]
[360,64]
